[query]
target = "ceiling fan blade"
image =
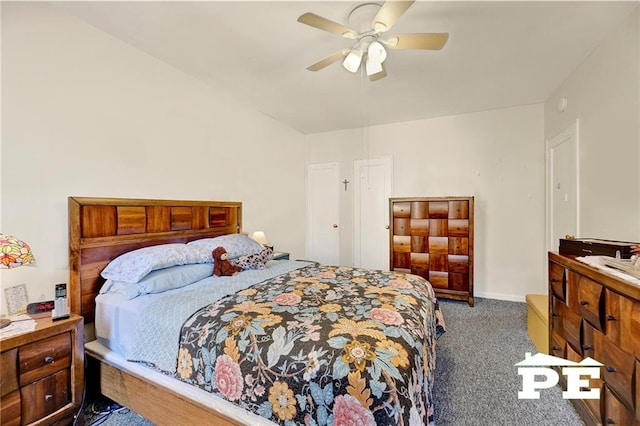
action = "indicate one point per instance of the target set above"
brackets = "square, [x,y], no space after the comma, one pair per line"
[377,76]
[328,60]
[425,41]
[324,24]
[388,14]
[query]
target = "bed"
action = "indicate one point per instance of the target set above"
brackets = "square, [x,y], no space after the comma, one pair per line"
[289,342]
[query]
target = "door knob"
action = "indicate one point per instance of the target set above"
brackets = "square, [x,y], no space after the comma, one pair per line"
[335,225]
[386,227]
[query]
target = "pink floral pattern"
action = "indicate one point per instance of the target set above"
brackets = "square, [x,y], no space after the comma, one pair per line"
[347,411]
[229,378]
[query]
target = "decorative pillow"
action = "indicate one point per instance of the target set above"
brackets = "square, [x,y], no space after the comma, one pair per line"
[254,261]
[236,245]
[160,280]
[133,266]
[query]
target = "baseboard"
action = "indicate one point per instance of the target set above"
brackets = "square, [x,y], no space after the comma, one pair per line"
[498,296]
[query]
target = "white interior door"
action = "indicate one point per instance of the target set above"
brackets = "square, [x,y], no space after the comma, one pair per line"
[373,183]
[323,210]
[562,191]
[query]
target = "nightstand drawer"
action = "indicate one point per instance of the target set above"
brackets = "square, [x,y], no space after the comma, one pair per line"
[44,357]
[45,396]
[9,366]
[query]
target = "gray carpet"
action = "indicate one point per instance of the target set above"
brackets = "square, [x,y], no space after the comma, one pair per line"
[476,381]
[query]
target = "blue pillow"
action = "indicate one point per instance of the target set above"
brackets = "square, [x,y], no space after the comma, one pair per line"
[236,245]
[160,280]
[133,266]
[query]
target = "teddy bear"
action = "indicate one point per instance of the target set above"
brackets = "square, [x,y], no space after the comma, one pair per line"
[221,266]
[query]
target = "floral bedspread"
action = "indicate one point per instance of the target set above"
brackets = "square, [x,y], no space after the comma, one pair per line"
[320,345]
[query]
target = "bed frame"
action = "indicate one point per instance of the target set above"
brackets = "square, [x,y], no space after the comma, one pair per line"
[100,229]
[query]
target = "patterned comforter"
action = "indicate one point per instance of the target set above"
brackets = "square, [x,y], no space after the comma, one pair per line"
[320,345]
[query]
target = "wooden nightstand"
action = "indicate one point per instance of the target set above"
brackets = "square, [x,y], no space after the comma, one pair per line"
[280,256]
[43,373]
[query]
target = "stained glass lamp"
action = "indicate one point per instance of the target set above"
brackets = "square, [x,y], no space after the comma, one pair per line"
[13,253]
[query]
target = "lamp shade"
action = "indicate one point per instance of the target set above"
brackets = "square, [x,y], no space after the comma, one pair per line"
[14,252]
[373,67]
[376,52]
[353,59]
[260,237]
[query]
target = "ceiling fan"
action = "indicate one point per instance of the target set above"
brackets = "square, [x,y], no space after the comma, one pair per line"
[367,24]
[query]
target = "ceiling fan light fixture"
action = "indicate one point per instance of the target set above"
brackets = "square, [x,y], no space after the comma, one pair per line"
[373,66]
[353,60]
[376,52]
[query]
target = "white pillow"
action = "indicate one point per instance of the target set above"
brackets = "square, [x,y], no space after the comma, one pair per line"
[133,266]
[236,245]
[160,280]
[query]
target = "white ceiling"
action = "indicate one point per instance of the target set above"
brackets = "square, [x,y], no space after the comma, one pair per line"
[499,54]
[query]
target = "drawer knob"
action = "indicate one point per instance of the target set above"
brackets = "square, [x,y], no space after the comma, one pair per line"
[48,397]
[554,314]
[586,347]
[610,421]
[48,359]
[584,302]
[611,318]
[610,369]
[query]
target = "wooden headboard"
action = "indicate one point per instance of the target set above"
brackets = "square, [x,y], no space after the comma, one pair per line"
[101,229]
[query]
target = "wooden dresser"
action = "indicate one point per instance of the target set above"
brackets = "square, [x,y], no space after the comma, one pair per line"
[433,237]
[42,379]
[595,314]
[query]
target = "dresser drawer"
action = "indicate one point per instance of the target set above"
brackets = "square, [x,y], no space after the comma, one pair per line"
[593,404]
[402,210]
[45,396]
[557,315]
[401,226]
[557,281]
[458,227]
[592,342]
[615,413]
[635,332]
[618,372]
[10,408]
[459,245]
[590,300]
[44,357]
[459,209]
[401,244]
[617,314]
[9,368]
[558,345]
[572,325]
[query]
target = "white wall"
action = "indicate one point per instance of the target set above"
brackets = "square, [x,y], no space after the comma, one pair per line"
[496,156]
[85,114]
[604,94]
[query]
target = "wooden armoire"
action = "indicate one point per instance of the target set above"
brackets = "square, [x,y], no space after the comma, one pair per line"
[433,237]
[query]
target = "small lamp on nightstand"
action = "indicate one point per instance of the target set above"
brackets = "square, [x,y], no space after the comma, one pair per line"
[261,238]
[13,253]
